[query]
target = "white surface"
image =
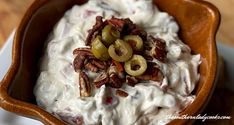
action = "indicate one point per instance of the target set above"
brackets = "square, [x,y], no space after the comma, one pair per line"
[227,53]
[5,56]
[7,118]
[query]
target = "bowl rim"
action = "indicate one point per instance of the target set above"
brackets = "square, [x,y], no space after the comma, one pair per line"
[33,111]
[6,101]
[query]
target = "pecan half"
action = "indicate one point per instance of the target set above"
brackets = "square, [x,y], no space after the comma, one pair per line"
[99,64]
[101,79]
[85,86]
[78,62]
[92,33]
[84,51]
[131,81]
[152,73]
[121,93]
[82,54]
[91,67]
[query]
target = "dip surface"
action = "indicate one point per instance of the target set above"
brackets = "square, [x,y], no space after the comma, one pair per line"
[57,88]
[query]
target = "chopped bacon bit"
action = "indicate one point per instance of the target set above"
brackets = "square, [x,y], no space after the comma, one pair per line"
[108,100]
[121,93]
[88,13]
[79,120]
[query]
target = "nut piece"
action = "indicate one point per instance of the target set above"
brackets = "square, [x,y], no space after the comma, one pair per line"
[82,54]
[91,67]
[85,87]
[115,78]
[101,79]
[159,50]
[99,64]
[97,28]
[131,80]
[78,62]
[83,51]
[115,81]
[121,93]
[152,73]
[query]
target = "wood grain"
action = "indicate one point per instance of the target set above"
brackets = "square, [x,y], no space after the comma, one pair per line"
[11,11]
[226,8]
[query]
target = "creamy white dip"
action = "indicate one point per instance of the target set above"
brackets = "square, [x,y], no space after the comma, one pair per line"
[57,88]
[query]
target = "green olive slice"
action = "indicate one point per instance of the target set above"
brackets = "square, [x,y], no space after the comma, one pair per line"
[109,35]
[136,65]
[120,51]
[135,41]
[99,50]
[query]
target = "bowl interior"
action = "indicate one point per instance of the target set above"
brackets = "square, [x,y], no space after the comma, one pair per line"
[198,24]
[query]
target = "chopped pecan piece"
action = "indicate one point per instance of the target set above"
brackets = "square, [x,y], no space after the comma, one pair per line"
[121,93]
[78,62]
[101,79]
[91,67]
[138,31]
[152,73]
[85,87]
[82,54]
[84,51]
[92,33]
[148,57]
[131,81]
[125,26]
[99,64]
[159,48]
[116,78]
[115,81]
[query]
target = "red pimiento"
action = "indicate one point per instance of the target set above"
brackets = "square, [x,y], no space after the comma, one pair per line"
[118,65]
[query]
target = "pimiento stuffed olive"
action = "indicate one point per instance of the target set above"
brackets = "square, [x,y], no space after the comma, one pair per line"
[120,51]
[109,35]
[135,42]
[99,50]
[136,66]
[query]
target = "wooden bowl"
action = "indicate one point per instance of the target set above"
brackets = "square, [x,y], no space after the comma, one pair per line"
[198,22]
